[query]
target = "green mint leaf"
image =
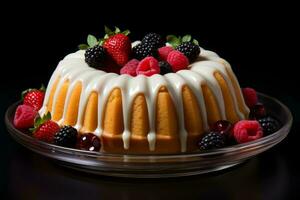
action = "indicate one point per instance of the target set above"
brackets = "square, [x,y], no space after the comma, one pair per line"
[186,38]
[92,40]
[195,42]
[126,32]
[83,46]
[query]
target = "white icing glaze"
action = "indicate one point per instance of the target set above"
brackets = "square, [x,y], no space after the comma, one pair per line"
[74,69]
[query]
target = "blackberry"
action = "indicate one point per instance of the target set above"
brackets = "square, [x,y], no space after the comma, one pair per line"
[212,140]
[269,125]
[95,56]
[165,67]
[66,137]
[153,39]
[190,50]
[143,50]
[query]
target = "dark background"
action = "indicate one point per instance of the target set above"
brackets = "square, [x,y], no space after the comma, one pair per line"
[258,40]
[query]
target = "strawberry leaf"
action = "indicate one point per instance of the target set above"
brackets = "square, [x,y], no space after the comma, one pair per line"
[126,32]
[186,38]
[42,88]
[101,41]
[117,30]
[83,46]
[108,31]
[92,40]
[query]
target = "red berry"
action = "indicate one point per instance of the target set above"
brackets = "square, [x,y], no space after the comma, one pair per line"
[148,66]
[34,98]
[177,60]
[222,126]
[46,131]
[118,47]
[247,130]
[163,52]
[89,142]
[24,117]
[250,96]
[130,67]
[257,111]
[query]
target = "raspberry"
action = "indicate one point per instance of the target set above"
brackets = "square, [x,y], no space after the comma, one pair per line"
[250,96]
[130,67]
[247,130]
[212,140]
[163,52]
[177,60]
[148,66]
[24,117]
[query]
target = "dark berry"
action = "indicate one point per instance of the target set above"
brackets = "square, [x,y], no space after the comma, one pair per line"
[143,50]
[190,50]
[269,125]
[89,142]
[212,140]
[165,67]
[153,39]
[95,56]
[66,137]
[257,111]
[222,126]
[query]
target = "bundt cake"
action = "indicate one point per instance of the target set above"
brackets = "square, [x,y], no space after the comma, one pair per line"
[157,114]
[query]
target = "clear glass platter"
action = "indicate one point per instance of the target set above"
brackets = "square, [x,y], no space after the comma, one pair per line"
[157,166]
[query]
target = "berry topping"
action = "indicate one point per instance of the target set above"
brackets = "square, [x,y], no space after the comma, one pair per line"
[250,97]
[117,45]
[163,52]
[34,97]
[66,137]
[153,39]
[89,142]
[269,125]
[257,111]
[190,50]
[44,128]
[24,117]
[95,56]
[165,67]
[222,126]
[130,67]
[142,50]
[247,130]
[148,66]
[177,60]
[212,140]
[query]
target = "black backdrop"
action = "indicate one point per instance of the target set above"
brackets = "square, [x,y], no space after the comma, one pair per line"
[258,40]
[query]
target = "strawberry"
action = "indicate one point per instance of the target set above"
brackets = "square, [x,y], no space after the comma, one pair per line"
[34,97]
[117,45]
[45,129]
[24,117]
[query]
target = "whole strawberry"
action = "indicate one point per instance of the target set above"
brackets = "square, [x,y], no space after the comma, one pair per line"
[45,129]
[117,45]
[34,97]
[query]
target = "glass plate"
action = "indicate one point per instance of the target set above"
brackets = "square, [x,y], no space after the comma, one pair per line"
[155,166]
